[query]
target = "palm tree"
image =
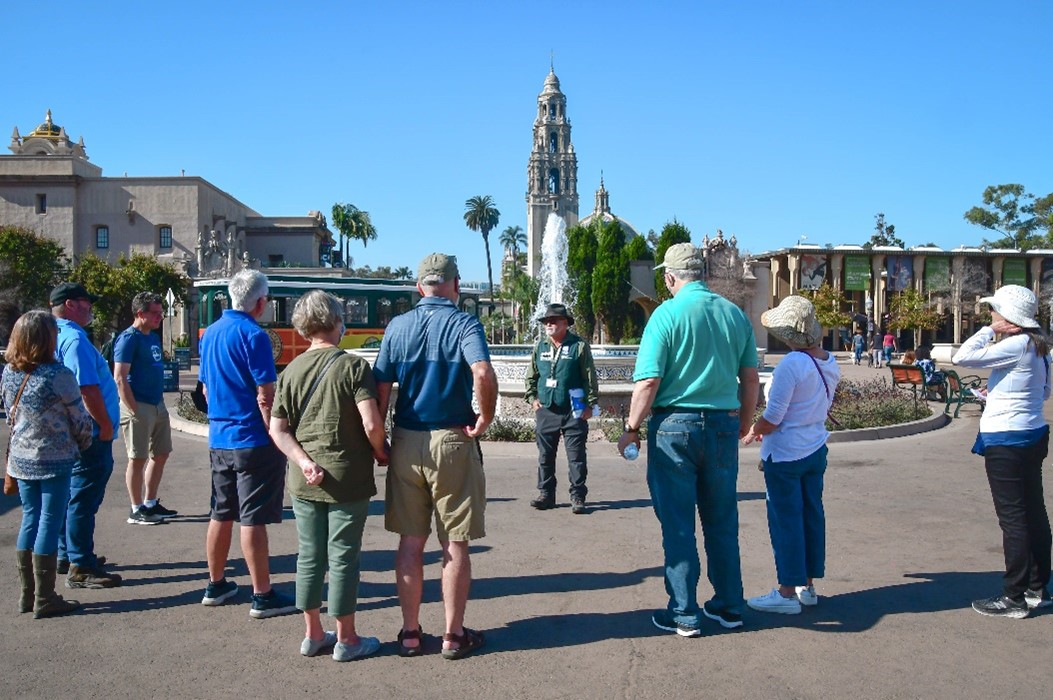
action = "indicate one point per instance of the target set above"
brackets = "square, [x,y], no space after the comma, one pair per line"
[403,273]
[481,215]
[511,238]
[353,224]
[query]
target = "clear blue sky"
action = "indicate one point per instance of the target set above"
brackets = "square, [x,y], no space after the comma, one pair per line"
[769,120]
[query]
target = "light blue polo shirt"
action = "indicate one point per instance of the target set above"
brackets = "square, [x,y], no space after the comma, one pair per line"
[76,351]
[236,358]
[696,343]
[430,352]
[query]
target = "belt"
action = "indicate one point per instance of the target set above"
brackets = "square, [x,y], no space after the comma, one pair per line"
[662,410]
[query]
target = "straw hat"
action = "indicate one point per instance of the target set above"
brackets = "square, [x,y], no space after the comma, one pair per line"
[1016,304]
[793,322]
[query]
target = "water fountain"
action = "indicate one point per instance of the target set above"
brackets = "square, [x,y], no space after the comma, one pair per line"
[552,276]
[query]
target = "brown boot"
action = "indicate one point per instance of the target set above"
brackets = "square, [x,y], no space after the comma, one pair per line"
[83,577]
[25,575]
[48,602]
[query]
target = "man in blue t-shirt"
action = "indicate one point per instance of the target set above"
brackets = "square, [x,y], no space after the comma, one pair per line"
[248,471]
[71,305]
[139,372]
[438,355]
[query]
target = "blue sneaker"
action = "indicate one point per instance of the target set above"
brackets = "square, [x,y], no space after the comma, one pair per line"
[663,620]
[219,592]
[271,604]
[727,620]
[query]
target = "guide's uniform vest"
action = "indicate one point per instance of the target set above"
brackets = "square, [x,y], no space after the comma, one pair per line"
[566,369]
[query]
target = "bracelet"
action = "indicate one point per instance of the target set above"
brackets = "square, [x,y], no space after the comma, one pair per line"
[631,430]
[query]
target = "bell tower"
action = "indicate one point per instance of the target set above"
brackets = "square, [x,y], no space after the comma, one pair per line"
[552,174]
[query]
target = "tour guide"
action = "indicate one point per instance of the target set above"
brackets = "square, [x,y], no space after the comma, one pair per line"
[696,354]
[562,361]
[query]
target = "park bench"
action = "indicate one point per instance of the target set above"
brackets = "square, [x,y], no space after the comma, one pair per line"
[960,391]
[904,376]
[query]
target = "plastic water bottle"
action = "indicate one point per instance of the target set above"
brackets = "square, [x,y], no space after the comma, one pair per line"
[631,452]
[577,402]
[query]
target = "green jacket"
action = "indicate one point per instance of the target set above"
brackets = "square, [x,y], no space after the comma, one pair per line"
[574,369]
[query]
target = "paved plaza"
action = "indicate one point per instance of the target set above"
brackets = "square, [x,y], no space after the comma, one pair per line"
[565,600]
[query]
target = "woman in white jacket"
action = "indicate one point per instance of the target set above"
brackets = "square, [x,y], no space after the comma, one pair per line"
[1014,440]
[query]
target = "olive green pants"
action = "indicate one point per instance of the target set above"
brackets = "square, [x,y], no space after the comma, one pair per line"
[330,537]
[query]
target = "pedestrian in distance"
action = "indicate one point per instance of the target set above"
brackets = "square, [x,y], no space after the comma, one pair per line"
[562,388]
[859,346]
[1014,440]
[793,437]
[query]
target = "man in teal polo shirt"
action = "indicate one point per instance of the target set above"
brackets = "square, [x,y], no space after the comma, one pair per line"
[697,358]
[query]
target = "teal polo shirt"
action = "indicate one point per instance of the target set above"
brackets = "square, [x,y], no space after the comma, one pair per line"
[696,343]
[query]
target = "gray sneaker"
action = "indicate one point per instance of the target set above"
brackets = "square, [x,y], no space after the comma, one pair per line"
[1037,599]
[346,652]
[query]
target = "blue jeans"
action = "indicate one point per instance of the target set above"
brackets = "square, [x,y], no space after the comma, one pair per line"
[43,505]
[693,465]
[87,488]
[796,521]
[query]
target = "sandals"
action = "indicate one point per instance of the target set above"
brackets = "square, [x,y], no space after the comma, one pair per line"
[411,634]
[467,642]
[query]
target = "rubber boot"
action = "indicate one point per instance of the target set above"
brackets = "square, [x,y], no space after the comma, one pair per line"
[25,575]
[48,602]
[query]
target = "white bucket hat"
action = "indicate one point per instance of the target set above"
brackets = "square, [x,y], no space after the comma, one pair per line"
[1016,304]
[793,322]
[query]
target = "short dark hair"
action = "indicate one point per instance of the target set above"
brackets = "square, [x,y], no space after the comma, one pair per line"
[142,302]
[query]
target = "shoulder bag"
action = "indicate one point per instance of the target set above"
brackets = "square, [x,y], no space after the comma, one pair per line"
[10,483]
[314,385]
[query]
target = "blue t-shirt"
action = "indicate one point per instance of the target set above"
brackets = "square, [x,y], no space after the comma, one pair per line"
[143,352]
[75,350]
[429,352]
[236,358]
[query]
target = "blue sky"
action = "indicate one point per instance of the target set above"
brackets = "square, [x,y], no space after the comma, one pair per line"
[769,120]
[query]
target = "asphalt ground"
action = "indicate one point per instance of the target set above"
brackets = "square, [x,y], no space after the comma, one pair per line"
[565,600]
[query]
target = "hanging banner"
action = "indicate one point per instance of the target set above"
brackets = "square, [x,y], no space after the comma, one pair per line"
[857,273]
[1014,271]
[900,272]
[813,271]
[937,274]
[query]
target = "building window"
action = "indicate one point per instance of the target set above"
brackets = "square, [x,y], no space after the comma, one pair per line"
[42,203]
[164,234]
[102,236]
[275,260]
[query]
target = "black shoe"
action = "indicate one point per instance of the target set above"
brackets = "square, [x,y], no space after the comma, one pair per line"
[544,501]
[728,620]
[577,506]
[663,620]
[141,516]
[1001,606]
[1038,598]
[160,510]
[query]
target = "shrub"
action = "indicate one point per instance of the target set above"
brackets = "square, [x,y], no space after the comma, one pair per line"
[185,409]
[510,430]
[873,403]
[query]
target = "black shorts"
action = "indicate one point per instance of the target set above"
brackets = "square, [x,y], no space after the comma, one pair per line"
[248,485]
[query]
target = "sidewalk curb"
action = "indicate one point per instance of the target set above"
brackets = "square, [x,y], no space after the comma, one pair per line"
[933,422]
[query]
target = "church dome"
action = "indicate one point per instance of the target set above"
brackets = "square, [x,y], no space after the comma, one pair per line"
[551,82]
[48,129]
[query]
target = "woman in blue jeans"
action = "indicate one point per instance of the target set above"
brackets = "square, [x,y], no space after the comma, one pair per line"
[1014,440]
[793,437]
[49,429]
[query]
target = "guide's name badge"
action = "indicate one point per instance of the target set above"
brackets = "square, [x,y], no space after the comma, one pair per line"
[551,383]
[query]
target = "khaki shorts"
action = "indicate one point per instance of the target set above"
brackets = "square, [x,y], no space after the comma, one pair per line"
[147,432]
[440,472]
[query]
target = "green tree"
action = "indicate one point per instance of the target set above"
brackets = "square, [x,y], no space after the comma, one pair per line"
[830,306]
[884,234]
[1010,211]
[30,265]
[403,273]
[910,309]
[581,261]
[481,215]
[672,233]
[512,238]
[117,284]
[353,224]
[610,281]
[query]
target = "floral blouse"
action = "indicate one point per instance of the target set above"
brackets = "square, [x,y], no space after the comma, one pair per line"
[51,424]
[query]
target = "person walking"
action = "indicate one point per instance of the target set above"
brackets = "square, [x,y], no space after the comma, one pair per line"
[793,455]
[888,346]
[696,375]
[561,372]
[139,372]
[1014,440]
[248,471]
[438,355]
[49,428]
[327,422]
[859,345]
[71,305]
[876,349]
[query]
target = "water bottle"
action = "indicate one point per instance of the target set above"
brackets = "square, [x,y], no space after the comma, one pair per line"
[577,402]
[631,452]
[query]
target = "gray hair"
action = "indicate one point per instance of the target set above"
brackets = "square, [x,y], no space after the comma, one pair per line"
[142,301]
[246,288]
[317,312]
[687,275]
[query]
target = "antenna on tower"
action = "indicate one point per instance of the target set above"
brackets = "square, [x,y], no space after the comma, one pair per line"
[552,60]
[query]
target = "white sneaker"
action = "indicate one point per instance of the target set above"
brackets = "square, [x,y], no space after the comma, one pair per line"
[774,602]
[807,596]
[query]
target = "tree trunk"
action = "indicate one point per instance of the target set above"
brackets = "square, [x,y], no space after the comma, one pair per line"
[489,272]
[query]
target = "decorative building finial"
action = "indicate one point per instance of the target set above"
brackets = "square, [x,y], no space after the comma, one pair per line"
[601,178]
[551,61]
[47,118]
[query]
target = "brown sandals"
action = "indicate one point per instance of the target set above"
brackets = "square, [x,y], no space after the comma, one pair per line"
[468,642]
[411,634]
